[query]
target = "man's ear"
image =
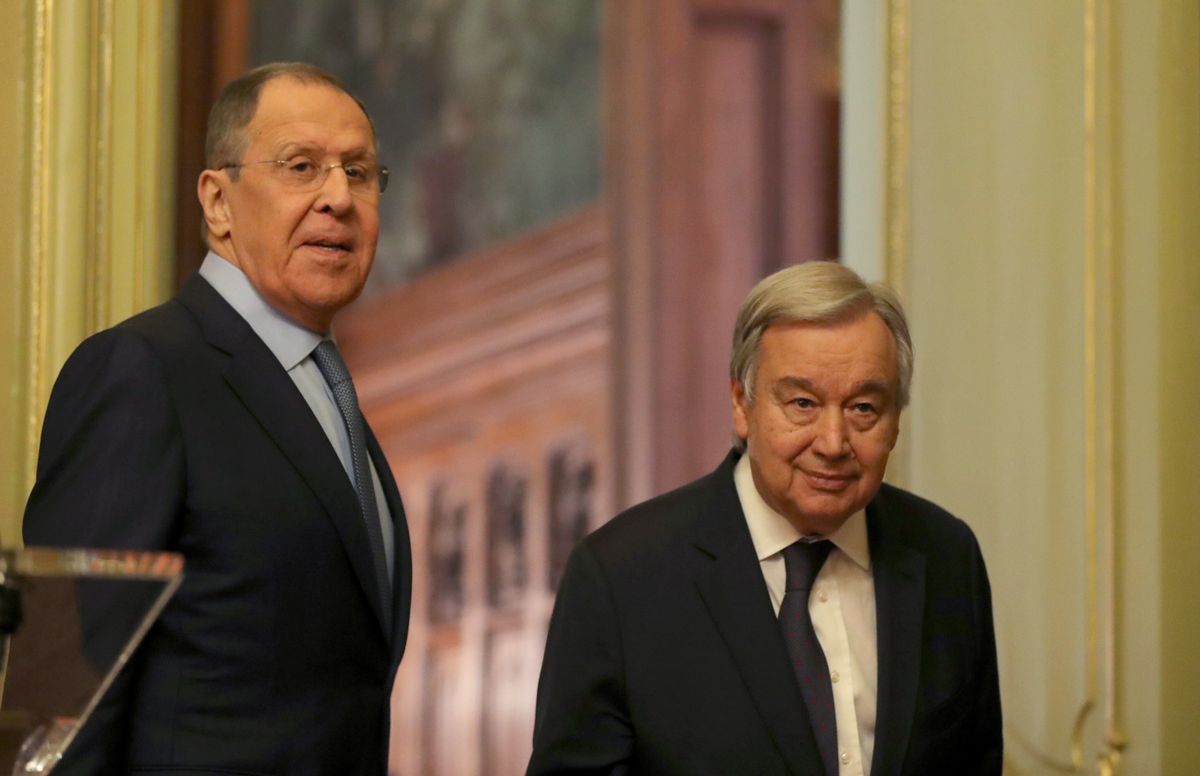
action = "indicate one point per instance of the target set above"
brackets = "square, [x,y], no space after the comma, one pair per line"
[215,203]
[741,408]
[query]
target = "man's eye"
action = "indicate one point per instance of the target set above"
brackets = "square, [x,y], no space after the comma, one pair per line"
[804,404]
[357,172]
[864,408]
[301,166]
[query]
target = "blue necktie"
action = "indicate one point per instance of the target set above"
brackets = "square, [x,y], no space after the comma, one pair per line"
[330,362]
[803,561]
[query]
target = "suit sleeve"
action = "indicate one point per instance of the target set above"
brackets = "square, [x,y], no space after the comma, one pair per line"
[582,723]
[110,466]
[109,476]
[988,728]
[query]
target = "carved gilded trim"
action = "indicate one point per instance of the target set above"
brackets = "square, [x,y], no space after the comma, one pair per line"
[144,158]
[898,150]
[1090,350]
[39,249]
[1101,348]
[897,191]
[100,131]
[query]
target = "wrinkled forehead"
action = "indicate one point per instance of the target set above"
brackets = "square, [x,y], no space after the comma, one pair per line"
[862,345]
[309,113]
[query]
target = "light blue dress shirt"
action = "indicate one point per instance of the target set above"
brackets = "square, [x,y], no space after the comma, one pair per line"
[293,345]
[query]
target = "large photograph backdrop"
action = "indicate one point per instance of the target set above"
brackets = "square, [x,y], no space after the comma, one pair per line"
[582,192]
[490,401]
[487,111]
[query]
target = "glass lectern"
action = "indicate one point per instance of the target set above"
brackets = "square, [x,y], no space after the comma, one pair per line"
[69,620]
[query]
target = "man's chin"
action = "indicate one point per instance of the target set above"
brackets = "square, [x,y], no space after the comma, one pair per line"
[333,294]
[315,310]
[821,516]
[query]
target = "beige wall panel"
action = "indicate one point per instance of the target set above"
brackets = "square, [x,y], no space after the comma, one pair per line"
[1054,171]
[863,138]
[1178,168]
[994,283]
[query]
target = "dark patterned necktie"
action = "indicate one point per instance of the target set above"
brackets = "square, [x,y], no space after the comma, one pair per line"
[330,362]
[803,560]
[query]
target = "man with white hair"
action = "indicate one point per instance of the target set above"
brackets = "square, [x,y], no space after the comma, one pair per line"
[788,613]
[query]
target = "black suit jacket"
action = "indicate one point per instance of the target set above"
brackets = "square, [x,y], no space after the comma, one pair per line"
[179,430]
[665,656]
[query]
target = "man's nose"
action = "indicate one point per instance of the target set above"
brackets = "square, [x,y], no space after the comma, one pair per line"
[334,195]
[832,439]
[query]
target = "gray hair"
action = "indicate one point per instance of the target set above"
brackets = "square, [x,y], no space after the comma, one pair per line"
[235,108]
[815,292]
[225,141]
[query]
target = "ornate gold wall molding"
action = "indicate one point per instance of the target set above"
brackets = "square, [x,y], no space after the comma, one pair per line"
[897,190]
[1097,738]
[1101,345]
[1101,706]
[39,231]
[99,114]
[897,194]
[99,174]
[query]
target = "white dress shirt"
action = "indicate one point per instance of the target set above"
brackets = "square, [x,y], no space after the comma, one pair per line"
[293,345]
[842,607]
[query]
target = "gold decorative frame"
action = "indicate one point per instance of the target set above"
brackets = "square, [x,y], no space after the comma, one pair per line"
[39,248]
[896,195]
[100,99]
[1101,349]
[100,133]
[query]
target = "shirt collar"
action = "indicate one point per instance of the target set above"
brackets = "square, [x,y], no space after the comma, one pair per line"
[771,531]
[289,341]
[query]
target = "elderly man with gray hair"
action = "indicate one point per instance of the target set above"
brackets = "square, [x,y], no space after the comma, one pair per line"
[224,425]
[788,613]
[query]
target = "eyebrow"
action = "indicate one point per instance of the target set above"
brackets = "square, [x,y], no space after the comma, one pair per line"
[295,148]
[861,387]
[870,386]
[795,382]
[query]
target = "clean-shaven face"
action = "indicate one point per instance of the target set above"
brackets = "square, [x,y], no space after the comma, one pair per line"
[824,418]
[307,252]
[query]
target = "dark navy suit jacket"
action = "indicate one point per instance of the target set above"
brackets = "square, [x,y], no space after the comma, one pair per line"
[179,430]
[664,654]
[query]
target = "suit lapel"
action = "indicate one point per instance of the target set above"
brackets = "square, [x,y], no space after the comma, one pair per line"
[736,596]
[402,561]
[273,399]
[900,612]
